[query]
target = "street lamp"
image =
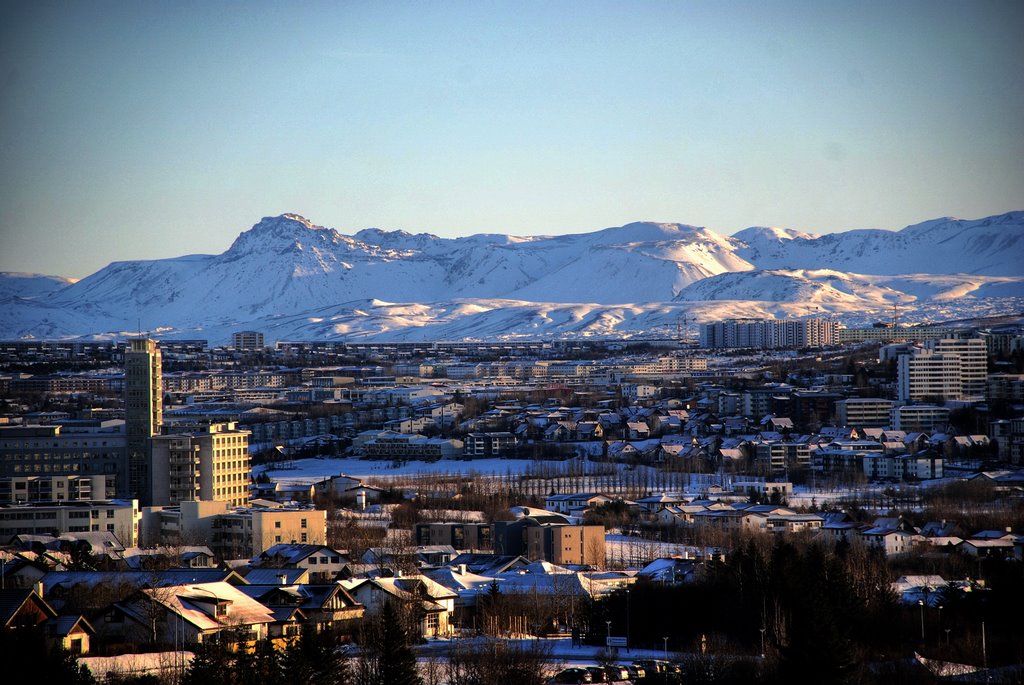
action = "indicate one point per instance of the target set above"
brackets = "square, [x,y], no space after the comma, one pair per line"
[609,624]
[762,642]
[665,640]
[947,638]
[920,603]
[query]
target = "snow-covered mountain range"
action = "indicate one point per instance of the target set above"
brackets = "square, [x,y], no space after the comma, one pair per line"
[293,279]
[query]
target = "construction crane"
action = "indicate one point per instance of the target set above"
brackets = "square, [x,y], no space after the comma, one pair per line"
[681,332]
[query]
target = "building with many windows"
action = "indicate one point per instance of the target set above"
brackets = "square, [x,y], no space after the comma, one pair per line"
[47,453]
[912,418]
[247,340]
[120,517]
[767,333]
[945,369]
[864,412]
[233,532]
[210,464]
[143,411]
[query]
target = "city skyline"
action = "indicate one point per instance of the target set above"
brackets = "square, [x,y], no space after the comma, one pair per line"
[145,132]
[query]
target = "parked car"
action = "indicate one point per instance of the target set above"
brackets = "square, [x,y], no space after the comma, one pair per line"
[617,674]
[636,671]
[598,674]
[572,676]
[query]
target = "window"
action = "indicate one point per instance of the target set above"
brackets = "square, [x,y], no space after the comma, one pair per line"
[312,561]
[303,523]
[277,538]
[277,524]
[304,538]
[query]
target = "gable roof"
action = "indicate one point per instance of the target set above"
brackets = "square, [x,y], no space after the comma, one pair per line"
[13,602]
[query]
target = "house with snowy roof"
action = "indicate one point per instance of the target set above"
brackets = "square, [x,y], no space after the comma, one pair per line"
[321,562]
[187,613]
[433,602]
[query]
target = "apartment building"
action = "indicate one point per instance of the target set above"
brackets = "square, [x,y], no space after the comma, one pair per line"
[233,532]
[767,333]
[864,412]
[913,418]
[210,464]
[946,368]
[892,334]
[403,446]
[95,448]
[120,517]
[461,536]
[70,488]
[247,340]
[538,538]
[778,457]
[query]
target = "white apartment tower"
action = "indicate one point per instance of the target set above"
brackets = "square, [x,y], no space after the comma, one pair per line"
[945,369]
[143,412]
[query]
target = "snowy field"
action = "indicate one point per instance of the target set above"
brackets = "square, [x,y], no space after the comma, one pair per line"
[313,470]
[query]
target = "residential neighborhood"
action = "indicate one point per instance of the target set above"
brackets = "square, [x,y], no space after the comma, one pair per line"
[498,492]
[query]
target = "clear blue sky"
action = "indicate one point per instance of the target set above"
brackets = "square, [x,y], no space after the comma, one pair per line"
[136,130]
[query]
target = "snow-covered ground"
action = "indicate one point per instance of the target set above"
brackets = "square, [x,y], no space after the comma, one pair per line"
[312,470]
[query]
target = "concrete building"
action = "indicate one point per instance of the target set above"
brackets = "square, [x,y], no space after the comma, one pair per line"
[402,446]
[211,464]
[233,533]
[461,536]
[143,412]
[70,488]
[767,333]
[892,334]
[46,452]
[913,418]
[247,340]
[945,369]
[779,457]
[539,539]
[120,517]
[864,412]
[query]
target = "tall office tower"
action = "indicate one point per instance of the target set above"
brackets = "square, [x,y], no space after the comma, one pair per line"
[143,413]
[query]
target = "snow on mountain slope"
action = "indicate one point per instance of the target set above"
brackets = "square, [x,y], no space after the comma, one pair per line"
[836,288]
[30,286]
[292,278]
[993,246]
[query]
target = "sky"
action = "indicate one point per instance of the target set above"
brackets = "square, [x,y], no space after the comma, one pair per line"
[144,130]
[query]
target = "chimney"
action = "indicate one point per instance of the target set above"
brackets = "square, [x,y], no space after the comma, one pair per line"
[462,569]
[38,589]
[282,579]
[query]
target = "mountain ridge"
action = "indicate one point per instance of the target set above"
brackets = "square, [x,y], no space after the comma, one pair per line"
[286,266]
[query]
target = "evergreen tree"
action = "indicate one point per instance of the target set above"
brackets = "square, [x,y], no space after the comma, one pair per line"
[212,665]
[397,661]
[313,660]
[261,667]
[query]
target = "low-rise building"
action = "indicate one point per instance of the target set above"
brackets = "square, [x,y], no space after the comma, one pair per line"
[120,517]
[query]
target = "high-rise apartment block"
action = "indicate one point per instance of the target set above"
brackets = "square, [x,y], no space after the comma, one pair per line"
[143,412]
[211,464]
[767,333]
[247,340]
[945,369]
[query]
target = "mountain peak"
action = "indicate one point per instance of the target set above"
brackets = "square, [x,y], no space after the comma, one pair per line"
[281,231]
